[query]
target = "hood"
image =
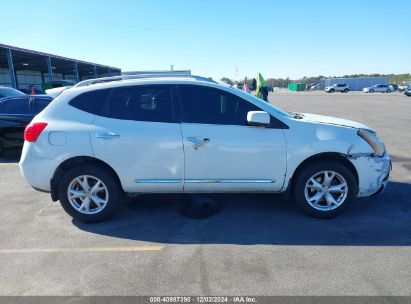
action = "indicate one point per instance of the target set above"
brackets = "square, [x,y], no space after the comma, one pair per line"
[329,120]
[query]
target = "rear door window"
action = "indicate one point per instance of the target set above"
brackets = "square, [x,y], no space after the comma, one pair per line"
[141,103]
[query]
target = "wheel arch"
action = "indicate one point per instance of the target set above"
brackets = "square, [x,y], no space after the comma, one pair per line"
[76,161]
[322,157]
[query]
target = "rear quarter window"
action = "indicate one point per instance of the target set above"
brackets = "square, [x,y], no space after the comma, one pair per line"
[90,102]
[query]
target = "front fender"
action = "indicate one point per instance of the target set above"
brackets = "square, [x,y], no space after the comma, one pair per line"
[307,139]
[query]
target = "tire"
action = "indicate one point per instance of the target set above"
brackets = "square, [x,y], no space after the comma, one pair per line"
[387,91]
[371,91]
[332,91]
[107,198]
[346,90]
[303,189]
[1,148]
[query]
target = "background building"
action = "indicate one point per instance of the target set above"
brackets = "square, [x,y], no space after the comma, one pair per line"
[357,84]
[23,69]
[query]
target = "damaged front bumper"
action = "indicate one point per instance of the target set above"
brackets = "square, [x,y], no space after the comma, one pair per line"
[373,172]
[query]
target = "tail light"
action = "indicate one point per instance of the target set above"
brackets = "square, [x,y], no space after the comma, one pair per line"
[33,131]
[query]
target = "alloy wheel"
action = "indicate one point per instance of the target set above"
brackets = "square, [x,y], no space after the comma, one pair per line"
[87,194]
[326,190]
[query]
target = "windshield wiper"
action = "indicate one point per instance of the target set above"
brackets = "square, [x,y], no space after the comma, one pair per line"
[296,115]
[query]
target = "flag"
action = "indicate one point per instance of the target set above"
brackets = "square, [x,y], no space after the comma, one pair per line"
[260,84]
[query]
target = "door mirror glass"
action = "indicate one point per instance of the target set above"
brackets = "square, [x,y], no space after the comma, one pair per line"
[258,118]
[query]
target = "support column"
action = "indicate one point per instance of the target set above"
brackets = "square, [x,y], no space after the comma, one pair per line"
[95,71]
[76,71]
[11,69]
[49,69]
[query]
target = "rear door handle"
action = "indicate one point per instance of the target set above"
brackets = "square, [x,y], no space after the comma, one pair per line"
[108,135]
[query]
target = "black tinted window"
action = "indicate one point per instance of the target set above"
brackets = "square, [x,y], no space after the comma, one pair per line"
[18,106]
[141,103]
[212,106]
[41,104]
[90,102]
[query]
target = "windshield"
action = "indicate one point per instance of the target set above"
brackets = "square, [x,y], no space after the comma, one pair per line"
[10,92]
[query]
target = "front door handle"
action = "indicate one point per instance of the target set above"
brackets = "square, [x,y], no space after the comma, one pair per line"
[108,135]
[198,142]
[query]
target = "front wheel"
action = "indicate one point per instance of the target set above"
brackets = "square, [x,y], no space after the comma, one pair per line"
[371,91]
[345,90]
[89,193]
[325,189]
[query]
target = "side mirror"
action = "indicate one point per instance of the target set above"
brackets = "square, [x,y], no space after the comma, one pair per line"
[258,118]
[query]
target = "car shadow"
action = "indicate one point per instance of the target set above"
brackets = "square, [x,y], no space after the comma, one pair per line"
[10,155]
[247,219]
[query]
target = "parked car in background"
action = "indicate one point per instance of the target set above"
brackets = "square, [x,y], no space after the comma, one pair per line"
[393,87]
[56,91]
[337,87]
[9,92]
[95,143]
[403,87]
[32,91]
[382,88]
[407,91]
[56,84]
[315,87]
[15,114]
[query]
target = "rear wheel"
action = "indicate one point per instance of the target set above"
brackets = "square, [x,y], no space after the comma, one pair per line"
[88,193]
[325,189]
[387,91]
[345,90]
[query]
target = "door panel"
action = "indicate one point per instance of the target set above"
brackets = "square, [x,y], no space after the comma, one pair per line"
[147,156]
[235,158]
[138,135]
[224,153]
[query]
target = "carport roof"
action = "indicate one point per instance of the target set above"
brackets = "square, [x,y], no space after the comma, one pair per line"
[23,51]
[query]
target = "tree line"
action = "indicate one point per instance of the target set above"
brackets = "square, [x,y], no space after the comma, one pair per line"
[283,82]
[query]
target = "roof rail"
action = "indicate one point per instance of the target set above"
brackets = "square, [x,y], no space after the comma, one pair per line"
[97,80]
[140,76]
[186,73]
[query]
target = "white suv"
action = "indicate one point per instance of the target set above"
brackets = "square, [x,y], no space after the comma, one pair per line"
[340,87]
[185,134]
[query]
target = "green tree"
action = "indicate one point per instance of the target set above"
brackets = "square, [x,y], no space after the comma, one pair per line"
[227,80]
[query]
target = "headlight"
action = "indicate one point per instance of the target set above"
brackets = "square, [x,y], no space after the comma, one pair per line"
[372,139]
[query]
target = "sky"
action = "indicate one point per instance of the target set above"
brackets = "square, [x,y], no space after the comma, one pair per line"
[219,38]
